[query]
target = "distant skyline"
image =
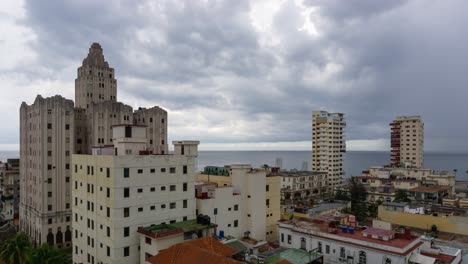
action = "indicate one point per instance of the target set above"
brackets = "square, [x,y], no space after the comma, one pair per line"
[246,75]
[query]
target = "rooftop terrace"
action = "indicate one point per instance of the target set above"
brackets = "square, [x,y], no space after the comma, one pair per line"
[164,230]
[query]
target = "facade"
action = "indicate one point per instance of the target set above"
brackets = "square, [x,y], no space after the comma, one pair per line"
[382,183]
[46,146]
[301,185]
[155,120]
[122,187]
[407,141]
[9,190]
[328,146]
[52,129]
[260,206]
[223,205]
[339,242]
[447,219]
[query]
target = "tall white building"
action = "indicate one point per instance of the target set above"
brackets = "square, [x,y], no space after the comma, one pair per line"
[46,146]
[407,141]
[328,145]
[122,187]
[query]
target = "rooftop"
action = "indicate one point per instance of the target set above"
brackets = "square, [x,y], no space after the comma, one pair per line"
[293,256]
[430,189]
[164,230]
[205,250]
[320,227]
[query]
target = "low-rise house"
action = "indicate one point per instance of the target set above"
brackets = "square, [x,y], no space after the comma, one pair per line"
[301,186]
[9,190]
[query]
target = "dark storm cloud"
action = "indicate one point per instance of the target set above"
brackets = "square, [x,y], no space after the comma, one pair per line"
[372,60]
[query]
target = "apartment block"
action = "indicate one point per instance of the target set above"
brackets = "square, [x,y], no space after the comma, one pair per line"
[259,196]
[9,190]
[46,146]
[328,146]
[122,187]
[407,141]
[301,185]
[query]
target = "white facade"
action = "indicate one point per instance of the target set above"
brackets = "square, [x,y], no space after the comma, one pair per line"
[9,189]
[344,249]
[302,184]
[114,195]
[328,145]
[223,206]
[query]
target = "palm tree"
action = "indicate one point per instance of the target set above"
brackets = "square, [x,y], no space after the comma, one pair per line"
[48,255]
[16,250]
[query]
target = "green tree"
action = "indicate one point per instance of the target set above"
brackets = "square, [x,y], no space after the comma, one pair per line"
[358,195]
[341,195]
[374,208]
[401,197]
[49,255]
[16,250]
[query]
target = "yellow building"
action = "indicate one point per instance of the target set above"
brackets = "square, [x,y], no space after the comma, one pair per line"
[260,192]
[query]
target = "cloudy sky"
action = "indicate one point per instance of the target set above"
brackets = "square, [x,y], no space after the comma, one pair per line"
[247,74]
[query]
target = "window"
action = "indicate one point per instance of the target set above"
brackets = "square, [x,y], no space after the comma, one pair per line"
[148,240]
[49,194]
[140,209]
[163,206]
[362,257]
[342,252]
[236,207]
[126,251]
[49,153]
[108,212]
[215,211]
[152,170]
[172,170]
[126,172]
[267,188]
[67,127]
[49,221]
[163,188]
[267,202]
[49,126]
[163,169]
[140,171]
[289,239]
[108,251]
[126,212]
[184,169]
[140,190]
[108,231]
[388,260]
[185,204]
[303,243]
[172,188]
[327,249]
[126,231]
[319,247]
[107,172]
[236,223]
[152,208]
[184,187]
[126,192]
[108,192]
[282,237]
[152,189]
[172,205]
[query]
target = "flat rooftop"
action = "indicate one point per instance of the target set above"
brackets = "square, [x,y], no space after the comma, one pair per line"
[318,225]
[163,230]
[430,189]
[294,256]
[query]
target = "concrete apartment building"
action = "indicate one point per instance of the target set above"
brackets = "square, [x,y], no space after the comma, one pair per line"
[46,146]
[407,141]
[52,129]
[9,190]
[328,146]
[301,185]
[259,197]
[340,241]
[122,187]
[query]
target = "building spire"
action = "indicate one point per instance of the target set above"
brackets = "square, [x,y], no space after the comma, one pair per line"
[95,56]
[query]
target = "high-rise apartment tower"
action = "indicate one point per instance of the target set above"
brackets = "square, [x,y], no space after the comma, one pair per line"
[328,146]
[407,141]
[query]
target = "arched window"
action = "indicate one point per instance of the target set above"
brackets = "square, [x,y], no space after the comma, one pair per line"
[342,252]
[303,243]
[68,235]
[50,239]
[388,261]
[362,257]
[59,237]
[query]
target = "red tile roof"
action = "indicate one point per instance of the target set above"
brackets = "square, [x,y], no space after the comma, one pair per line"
[201,251]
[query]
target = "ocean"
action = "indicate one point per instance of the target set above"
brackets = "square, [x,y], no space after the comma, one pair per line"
[355,161]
